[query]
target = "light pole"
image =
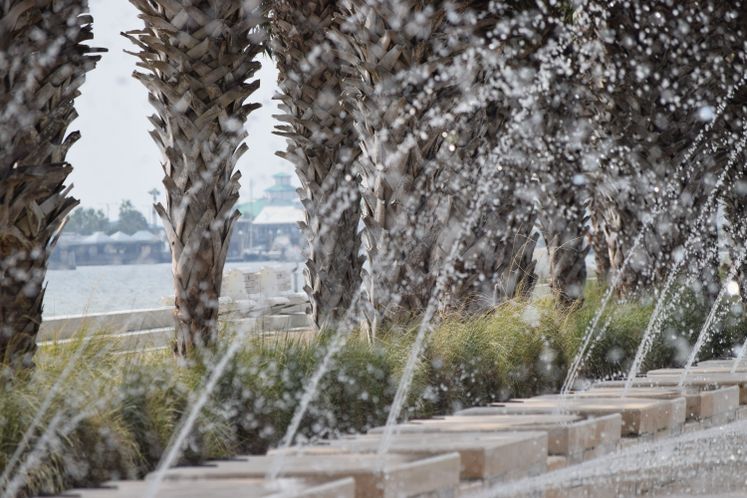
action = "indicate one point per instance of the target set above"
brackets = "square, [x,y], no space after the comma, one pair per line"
[153,215]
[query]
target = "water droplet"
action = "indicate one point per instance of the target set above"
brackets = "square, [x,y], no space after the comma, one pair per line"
[706,113]
[732,288]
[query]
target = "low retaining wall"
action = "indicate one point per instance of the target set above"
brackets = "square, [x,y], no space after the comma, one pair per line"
[153,328]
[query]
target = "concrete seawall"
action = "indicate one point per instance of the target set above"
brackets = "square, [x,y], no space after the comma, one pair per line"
[134,330]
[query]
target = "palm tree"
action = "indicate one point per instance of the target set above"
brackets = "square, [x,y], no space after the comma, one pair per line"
[401,202]
[44,60]
[538,160]
[563,220]
[323,146]
[735,196]
[197,59]
[419,166]
[736,214]
[420,159]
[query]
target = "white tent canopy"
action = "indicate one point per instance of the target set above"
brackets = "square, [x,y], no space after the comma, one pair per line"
[279,215]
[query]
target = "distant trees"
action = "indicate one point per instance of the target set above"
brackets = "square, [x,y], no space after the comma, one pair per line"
[85,221]
[130,219]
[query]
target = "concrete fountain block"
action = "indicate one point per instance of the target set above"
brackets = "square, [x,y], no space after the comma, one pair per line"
[699,380]
[700,404]
[224,488]
[727,363]
[719,403]
[488,457]
[726,495]
[640,416]
[388,476]
[568,435]
[699,369]
[721,361]
[556,463]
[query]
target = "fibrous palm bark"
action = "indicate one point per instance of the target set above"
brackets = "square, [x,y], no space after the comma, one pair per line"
[323,146]
[198,57]
[424,163]
[495,261]
[43,62]
[597,240]
[402,205]
[536,133]
[736,214]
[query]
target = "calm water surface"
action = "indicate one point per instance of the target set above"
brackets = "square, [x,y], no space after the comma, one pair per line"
[95,289]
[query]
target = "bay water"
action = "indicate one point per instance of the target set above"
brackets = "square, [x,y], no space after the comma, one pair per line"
[98,289]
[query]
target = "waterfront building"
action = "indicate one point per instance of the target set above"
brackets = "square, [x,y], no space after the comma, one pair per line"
[268,227]
[118,248]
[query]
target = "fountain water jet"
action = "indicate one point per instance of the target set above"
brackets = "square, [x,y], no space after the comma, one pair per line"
[714,446]
[415,350]
[740,357]
[336,344]
[173,449]
[590,331]
[656,318]
[47,402]
[47,439]
[706,329]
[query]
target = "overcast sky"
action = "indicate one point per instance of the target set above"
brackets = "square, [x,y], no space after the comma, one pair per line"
[116,159]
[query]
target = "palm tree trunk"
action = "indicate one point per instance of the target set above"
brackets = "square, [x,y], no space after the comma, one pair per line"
[198,57]
[415,197]
[41,78]
[735,196]
[542,172]
[495,262]
[566,141]
[598,242]
[496,258]
[565,235]
[402,207]
[323,146]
